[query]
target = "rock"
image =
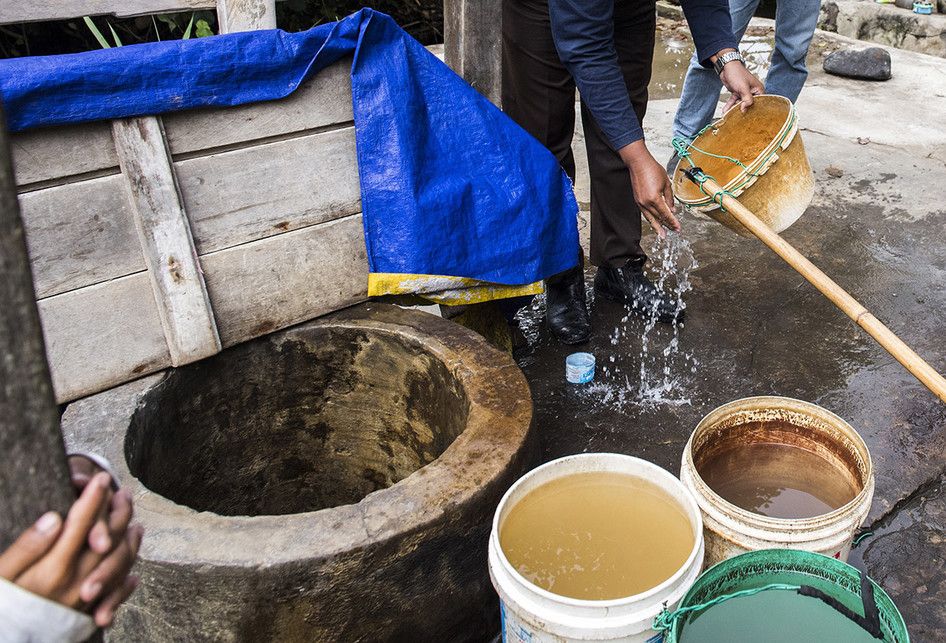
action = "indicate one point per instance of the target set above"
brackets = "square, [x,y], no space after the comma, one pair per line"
[872,63]
[904,4]
[834,172]
[828,20]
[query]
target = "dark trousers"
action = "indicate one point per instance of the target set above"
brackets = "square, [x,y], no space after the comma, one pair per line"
[539,94]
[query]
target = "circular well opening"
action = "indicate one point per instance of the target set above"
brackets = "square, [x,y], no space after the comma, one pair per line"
[295,422]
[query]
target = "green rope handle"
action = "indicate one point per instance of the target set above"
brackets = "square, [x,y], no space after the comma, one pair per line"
[666,619]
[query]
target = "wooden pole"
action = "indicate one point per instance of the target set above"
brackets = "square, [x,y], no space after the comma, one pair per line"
[838,296]
[34,476]
[473,43]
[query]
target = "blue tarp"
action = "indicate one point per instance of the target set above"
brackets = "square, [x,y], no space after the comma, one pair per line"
[449,184]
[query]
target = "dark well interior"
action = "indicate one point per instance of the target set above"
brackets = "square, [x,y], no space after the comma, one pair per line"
[311,421]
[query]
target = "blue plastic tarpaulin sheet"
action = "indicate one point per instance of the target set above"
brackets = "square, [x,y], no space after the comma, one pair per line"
[450,186]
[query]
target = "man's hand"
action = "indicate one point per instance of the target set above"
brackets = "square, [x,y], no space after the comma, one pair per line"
[740,82]
[652,190]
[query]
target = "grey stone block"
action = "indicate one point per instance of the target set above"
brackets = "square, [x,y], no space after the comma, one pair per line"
[866,64]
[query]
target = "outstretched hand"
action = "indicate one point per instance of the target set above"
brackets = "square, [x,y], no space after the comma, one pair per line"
[652,190]
[77,562]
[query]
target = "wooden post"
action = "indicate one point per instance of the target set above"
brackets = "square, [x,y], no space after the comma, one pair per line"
[246,15]
[34,476]
[473,43]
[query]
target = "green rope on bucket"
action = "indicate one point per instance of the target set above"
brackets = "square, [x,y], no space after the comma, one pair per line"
[665,620]
[683,149]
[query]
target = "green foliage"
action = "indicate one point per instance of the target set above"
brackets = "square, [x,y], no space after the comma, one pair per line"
[423,19]
[96,33]
[204,29]
[89,33]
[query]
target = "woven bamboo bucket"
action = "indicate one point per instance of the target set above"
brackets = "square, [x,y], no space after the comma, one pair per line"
[774,179]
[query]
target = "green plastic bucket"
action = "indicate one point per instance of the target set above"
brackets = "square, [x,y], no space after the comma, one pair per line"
[754,570]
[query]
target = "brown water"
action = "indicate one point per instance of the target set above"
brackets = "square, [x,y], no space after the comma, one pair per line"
[778,480]
[597,536]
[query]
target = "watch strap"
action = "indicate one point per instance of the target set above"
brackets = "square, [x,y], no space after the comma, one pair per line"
[728,57]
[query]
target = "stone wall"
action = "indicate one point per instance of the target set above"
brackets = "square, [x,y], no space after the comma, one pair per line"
[887,25]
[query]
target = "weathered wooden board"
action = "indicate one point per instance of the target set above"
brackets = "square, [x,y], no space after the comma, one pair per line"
[59,154]
[55,155]
[12,11]
[165,237]
[473,43]
[255,192]
[320,102]
[102,335]
[259,287]
[80,234]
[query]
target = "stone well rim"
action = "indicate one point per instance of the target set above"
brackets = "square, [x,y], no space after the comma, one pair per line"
[500,411]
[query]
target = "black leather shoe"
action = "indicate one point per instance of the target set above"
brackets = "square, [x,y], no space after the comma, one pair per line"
[566,307]
[630,285]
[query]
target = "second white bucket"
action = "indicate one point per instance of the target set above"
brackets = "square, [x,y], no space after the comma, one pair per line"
[530,613]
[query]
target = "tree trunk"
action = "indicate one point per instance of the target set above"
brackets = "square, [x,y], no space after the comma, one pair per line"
[34,476]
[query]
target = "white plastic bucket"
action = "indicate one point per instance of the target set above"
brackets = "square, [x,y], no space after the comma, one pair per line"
[730,530]
[530,613]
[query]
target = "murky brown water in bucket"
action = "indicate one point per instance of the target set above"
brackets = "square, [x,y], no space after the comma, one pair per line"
[778,480]
[597,536]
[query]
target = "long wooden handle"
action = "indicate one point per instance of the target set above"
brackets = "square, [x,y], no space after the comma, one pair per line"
[838,296]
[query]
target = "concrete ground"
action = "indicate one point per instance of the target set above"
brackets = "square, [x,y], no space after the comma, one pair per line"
[877,225]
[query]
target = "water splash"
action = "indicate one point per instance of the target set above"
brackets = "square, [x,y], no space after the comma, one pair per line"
[662,368]
[662,372]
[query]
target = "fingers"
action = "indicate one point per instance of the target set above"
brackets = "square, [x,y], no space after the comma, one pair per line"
[31,546]
[83,514]
[111,571]
[105,612]
[672,221]
[747,101]
[654,223]
[81,470]
[112,523]
[733,99]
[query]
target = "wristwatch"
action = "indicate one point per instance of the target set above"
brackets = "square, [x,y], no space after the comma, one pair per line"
[728,57]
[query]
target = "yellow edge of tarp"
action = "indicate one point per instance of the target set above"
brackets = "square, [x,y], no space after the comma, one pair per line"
[450,291]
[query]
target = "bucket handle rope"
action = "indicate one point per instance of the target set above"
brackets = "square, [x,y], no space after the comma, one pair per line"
[869,622]
[683,149]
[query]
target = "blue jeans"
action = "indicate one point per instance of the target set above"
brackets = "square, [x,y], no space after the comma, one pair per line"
[795,22]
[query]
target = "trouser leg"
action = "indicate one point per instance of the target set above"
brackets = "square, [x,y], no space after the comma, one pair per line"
[538,92]
[615,217]
[701,86]
[795,22]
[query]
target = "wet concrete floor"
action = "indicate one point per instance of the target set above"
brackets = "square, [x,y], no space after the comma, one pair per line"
[755,327]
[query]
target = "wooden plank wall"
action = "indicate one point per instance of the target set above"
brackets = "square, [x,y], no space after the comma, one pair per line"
[268,194]
[259,214]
